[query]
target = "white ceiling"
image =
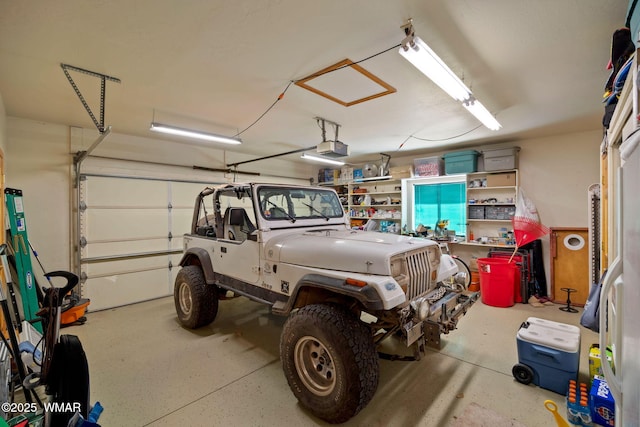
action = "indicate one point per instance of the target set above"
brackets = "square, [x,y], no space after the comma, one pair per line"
[539,66]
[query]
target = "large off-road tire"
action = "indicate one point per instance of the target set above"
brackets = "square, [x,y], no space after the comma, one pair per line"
[330,361]
[196,302]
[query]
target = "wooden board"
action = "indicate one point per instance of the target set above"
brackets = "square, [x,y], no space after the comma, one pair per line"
[570,264]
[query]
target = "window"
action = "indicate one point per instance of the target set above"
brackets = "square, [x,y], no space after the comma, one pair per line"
[432,200]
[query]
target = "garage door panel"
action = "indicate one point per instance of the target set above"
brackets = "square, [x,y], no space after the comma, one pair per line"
[175,262]
[131,248]
[126,265]
[184,193]
[181,222]
[109,191]
[177,243]
[126,224]
[122,289]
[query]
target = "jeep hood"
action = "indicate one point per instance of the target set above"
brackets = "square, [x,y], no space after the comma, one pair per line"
[344,250]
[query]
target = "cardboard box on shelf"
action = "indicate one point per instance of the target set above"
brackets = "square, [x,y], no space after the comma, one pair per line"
[501,180]
[346,174]
[400,172]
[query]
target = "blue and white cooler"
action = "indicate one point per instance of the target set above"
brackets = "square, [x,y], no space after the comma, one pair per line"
[548,354]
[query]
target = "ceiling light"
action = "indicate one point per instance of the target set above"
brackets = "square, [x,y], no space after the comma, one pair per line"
[174,130]
[476,108]
[424,59]
[321,159]
[416,51]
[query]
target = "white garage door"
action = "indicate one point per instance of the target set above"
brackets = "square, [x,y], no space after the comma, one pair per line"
[131,237]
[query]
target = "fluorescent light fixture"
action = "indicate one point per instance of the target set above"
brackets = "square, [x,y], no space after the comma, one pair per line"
[416,51]
[476,108]
[424,59]
[174,130]
[321,159]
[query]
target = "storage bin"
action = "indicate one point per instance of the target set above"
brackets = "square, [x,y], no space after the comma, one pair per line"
[503,213]
[476,212]
[428,166]
[551,350]
[461,162]
[500,159]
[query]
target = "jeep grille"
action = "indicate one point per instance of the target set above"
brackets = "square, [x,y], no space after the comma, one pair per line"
[422,268]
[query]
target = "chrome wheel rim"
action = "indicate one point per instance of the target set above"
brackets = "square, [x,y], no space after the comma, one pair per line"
[314,365]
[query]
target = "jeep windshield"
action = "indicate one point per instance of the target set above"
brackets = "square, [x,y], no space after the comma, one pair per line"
[278,203]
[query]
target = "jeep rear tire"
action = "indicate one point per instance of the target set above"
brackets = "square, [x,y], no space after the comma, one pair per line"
[330,361]
[196,302]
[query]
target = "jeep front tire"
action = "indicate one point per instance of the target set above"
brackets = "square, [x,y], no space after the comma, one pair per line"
[196,302]
[330,361]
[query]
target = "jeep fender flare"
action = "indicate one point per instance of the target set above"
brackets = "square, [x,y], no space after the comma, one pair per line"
[203,259]
[366,295]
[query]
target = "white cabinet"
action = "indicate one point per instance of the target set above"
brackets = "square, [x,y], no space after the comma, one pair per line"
[375,199]
[491,203]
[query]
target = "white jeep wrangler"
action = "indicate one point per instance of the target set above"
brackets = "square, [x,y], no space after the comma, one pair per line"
[344,290]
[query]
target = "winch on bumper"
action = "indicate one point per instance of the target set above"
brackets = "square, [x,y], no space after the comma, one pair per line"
[434,313]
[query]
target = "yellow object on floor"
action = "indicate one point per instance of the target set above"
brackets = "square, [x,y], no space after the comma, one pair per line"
[553,408]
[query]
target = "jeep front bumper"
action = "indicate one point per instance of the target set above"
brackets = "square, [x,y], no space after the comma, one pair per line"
[436,313]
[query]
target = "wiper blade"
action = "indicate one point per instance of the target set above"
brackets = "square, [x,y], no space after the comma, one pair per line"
[291,218]
[316,210]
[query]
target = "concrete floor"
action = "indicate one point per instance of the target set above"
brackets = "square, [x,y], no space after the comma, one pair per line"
[146,370]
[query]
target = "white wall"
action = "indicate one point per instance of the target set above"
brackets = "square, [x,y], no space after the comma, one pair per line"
[556,172]
[37,162]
